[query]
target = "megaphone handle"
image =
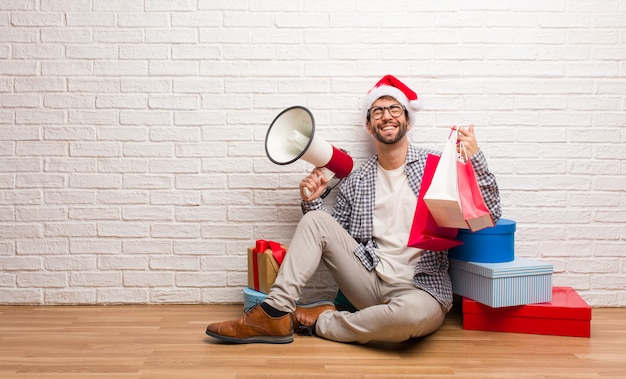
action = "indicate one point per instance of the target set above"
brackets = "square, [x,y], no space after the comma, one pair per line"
[327,174]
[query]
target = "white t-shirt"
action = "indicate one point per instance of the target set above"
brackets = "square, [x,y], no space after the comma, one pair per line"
[394,209]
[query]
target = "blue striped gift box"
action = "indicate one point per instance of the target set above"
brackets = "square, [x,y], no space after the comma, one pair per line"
[519,282]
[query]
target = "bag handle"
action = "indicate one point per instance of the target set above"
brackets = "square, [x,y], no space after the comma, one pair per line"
[462,154]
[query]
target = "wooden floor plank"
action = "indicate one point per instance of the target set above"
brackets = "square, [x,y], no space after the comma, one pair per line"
[168,341]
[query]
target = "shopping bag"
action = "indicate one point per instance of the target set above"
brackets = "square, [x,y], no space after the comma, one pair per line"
[475,211]
[425,233]
[442,197]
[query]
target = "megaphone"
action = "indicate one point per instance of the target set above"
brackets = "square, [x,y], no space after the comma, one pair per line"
[291,136]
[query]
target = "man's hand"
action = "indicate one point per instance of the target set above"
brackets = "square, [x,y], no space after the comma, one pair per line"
[468,139]
[314,185]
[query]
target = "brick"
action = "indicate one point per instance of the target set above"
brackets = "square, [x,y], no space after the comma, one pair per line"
[120,68]
[34,19]
[22,197]
[202,248]
[41,280]
[50,117]
[122,263]
[147,182]
[13,68]
[143,20]
[144,52]
[66,229]
[118,36]
[69,297]
[148,279]
[174,68]
[123,197]
[95,279]
[150,213]
[198,214]
[145,85]
[94,213]
[122,296]
[223,263]
[46,149]
[70,197]
[63,263]
[147,247]
[201,150]
[91,19]
[147,118]
[97,85]
[200,182]
[122,166]
[123,230]
[202,280]
[176,296]
[26,214]
[19,133]
[175,231]
[95,149]
[135,134]
[70,165]
[20,263]
[22,296]
[177,263]
[69,35]
[118,5]
[178,102]
[70,101]
[198,19]
[47,51]
[178,166]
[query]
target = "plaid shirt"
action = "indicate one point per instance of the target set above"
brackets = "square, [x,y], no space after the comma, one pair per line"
[354,210]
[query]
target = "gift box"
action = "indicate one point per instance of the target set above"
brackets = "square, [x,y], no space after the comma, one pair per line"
[519,282]
[252,297]
[489,245]
[566,315]
[264,260]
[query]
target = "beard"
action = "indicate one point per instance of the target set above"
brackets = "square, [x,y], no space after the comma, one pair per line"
[390,139]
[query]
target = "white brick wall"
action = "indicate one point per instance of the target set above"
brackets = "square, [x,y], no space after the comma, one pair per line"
[132,166]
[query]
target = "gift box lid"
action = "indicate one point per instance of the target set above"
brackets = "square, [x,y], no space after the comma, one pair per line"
[566,304]
[518,267]
[503,226]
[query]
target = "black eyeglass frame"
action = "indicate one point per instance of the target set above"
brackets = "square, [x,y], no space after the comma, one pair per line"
[395,106]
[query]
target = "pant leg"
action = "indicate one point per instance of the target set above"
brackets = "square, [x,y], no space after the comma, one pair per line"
[319,237]
[406,312]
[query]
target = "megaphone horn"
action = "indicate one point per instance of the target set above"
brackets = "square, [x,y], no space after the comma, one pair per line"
[291,136]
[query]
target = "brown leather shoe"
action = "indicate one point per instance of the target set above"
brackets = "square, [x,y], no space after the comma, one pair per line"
[255,326]
[305,316]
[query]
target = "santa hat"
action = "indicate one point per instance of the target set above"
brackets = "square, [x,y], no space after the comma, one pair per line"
[391,86]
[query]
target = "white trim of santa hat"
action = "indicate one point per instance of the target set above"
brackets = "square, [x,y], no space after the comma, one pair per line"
[391,86]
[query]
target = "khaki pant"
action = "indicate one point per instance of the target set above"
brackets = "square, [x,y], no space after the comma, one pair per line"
[390,313]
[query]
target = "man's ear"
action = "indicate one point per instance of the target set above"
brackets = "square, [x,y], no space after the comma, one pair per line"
[368,126]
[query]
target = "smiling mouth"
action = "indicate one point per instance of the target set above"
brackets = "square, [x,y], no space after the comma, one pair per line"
[387,127]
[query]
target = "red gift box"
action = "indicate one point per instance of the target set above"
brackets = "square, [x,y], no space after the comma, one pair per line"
[264,260]
[566,315]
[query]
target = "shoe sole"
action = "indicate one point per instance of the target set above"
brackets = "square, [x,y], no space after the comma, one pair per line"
[257,339]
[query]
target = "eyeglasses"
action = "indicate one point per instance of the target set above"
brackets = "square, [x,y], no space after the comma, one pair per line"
[395,110]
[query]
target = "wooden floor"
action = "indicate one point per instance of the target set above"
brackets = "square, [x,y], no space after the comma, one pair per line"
[154,342]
